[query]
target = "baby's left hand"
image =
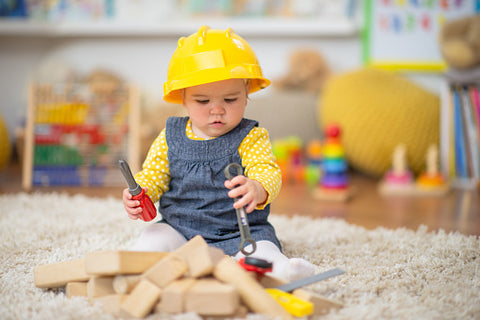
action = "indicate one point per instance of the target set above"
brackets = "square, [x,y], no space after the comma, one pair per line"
[250,192]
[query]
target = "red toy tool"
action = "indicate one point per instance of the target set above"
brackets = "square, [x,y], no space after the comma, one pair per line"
[259,266]
[149,212]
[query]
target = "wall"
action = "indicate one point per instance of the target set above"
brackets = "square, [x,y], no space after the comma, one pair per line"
[140,59]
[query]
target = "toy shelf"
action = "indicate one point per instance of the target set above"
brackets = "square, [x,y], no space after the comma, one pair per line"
[271,27]
[460,128]
[75,136]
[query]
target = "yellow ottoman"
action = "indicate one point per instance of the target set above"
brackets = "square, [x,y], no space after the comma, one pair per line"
[378,110]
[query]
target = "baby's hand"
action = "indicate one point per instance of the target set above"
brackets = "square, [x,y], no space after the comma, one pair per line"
[250,192]
[131,206]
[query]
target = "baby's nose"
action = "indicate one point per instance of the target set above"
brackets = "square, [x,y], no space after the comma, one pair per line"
[217,109]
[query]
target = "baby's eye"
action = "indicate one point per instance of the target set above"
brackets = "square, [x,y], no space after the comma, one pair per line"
[203,101]
[230,100]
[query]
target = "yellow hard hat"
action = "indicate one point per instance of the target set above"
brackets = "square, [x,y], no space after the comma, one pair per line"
[208,56]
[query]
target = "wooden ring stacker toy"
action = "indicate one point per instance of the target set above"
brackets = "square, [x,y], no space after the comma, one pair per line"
[241,214]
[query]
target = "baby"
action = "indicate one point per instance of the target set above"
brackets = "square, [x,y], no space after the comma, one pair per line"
[212,73]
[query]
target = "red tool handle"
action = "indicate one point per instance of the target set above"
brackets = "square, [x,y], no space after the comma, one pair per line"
[149,212]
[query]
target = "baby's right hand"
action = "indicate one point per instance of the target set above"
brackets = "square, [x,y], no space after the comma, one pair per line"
[131,206]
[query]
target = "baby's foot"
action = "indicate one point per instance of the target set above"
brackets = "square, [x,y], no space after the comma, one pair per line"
[299,268]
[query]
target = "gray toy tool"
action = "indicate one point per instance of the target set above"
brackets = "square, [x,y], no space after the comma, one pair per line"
[241,214]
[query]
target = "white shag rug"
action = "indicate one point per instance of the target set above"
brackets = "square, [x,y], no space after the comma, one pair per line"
[391,274]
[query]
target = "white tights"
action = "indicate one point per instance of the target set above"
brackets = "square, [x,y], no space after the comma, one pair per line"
[159,237]
[164,238]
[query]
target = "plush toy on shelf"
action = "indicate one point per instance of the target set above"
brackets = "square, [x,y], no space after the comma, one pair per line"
[308,71]
[460,42]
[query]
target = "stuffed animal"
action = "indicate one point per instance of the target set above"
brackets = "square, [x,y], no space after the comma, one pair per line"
[103,83]
[378,110]
[460,42]
[308,71]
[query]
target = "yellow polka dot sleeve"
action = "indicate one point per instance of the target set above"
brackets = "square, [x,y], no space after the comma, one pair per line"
[155,174]
[255,151]
[259,162]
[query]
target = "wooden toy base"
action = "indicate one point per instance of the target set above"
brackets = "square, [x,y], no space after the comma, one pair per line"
[340,195]
[389,189]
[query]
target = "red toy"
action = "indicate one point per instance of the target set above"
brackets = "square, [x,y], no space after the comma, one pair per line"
[149,212]
[259,266]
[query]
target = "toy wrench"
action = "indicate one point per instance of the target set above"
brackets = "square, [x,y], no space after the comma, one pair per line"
[241,214]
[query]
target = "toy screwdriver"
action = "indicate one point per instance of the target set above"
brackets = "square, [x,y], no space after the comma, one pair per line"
[149,212]
[294,305]
[241,214]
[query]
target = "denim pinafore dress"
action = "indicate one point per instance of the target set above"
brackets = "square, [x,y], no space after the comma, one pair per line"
[197,202]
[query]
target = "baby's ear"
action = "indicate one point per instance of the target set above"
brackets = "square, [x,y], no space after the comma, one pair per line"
[183,96]
[248,85]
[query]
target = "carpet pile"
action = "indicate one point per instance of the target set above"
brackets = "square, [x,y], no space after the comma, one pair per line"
[390,274]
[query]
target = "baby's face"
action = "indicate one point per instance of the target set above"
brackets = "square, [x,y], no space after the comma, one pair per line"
[216,108]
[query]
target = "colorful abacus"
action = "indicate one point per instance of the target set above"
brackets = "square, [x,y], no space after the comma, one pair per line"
[74,136]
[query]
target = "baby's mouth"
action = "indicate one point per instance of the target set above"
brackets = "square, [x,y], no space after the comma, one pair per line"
[217,123]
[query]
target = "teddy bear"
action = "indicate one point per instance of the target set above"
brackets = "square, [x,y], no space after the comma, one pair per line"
[307,71]
[460,42]
[103,83]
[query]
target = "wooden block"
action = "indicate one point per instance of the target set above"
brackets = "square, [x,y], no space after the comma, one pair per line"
[241,313]
[321,304]
[166,270]
[200,257]
[59,274]
[209,296]
[202,262]
[110,263]
[252,293]
[141,301]
[76,289]
[112,303]
[99,286]
[123,284]
[173,296]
